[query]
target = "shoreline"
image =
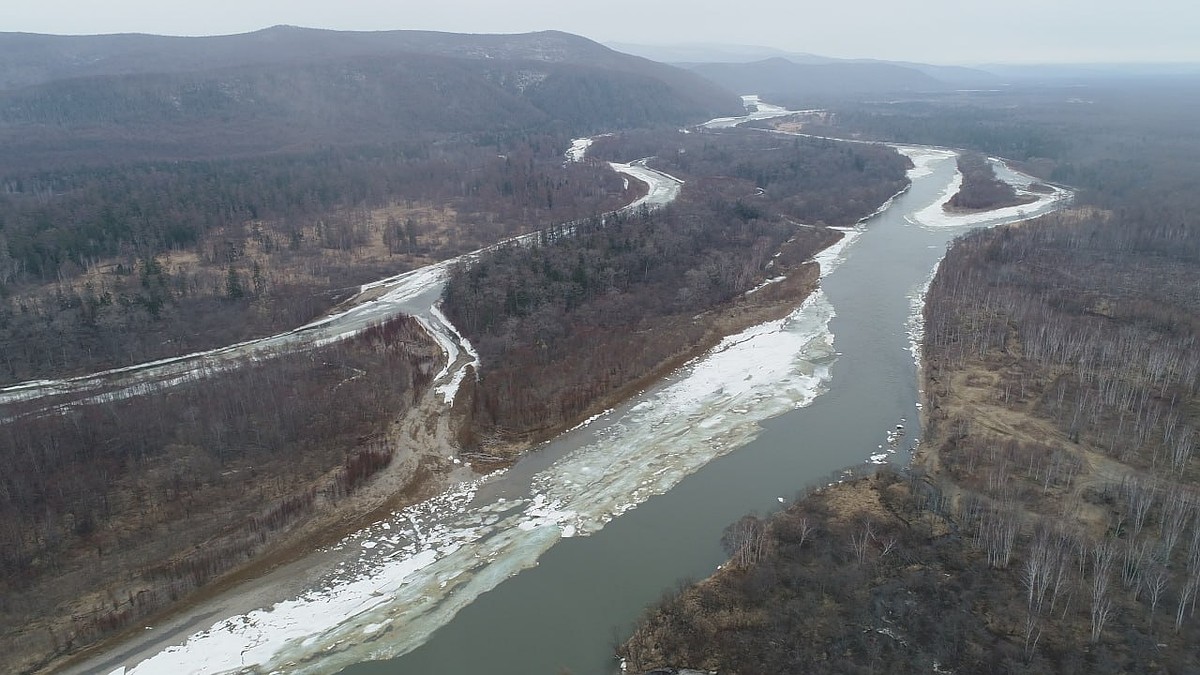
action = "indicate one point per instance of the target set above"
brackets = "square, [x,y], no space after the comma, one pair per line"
[1022,200]
[300,560]
[276,578]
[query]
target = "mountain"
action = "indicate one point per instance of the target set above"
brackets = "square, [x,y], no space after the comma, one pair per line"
[1086,72]
[959,76]
[27,59]
[699,52]
[66,98]
[780,79]
[702,53]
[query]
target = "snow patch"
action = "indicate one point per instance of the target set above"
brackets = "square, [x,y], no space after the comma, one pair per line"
[936,216]
[578,149]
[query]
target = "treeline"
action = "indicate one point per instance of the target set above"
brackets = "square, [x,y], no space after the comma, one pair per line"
[165,260]
[981,189]
[1111,143]
[1062,408]
[567,321]
[57,223]
[570,320]
[984,123]
[892,573]
[1101,328]
[110,512]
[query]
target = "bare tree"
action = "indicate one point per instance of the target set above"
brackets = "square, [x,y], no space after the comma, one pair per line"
[804,528]
[1133,558]
[1186,595]
[1064,541]
[888,544]
[1182,449]
[1176,510]
[999,533]
[746,540]
[1037,570]
[1033,633]
[1102,558]
[1139,496]
[860,541]
[1156,581]
[1193,561]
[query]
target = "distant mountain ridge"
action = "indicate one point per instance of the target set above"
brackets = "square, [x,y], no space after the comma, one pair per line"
[778,78]
[768,70]
[27,58]
[714,53]
[145,96]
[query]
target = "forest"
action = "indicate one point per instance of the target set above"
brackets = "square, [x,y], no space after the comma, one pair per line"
[109,513]
[162,196]
[1050,521]
[981,189]
[102,267]
[574,319]
[165,195]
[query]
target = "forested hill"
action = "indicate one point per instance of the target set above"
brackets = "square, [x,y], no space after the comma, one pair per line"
[27,59]
[311,160]
[134,97]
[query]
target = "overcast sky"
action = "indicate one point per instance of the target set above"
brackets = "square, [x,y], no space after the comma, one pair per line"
[937,31]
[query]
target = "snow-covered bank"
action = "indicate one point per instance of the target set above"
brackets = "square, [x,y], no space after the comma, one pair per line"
[662,188]
[757,110]
[1041,203]
[455,347]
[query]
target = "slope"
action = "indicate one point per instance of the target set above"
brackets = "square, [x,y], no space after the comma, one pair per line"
[778,77]
[79,98]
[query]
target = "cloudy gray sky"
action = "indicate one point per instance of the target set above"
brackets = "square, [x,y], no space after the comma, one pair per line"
[938,31]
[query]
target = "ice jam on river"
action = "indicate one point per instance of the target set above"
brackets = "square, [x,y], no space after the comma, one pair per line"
[406,576]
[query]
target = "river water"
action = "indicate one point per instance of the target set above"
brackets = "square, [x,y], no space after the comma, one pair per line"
[543,568]
[568,612]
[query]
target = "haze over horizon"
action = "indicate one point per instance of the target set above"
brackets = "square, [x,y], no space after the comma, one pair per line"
[935,31]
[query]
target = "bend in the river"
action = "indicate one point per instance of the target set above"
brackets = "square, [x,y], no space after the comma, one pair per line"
[534,569]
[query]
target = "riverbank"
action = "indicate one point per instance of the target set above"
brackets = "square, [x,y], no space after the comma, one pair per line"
[827,567]
[1040,527]
[425,467]
[308,553]
[643,474]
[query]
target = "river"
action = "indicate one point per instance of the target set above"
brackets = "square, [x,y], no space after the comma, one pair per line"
[543,568]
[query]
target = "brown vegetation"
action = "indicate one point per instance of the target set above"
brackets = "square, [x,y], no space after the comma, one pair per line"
[575,320]
[112,512]
[1051,522]
[981,190]
[1047,526]
[166,260]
